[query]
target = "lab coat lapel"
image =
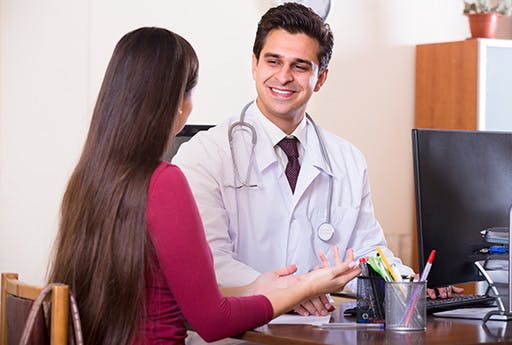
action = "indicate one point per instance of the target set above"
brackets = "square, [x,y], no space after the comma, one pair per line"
[268,168]
[313,164]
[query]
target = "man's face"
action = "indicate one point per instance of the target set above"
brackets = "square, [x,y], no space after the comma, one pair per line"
[286,75]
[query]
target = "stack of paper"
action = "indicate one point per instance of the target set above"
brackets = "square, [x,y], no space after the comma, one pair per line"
[496,235]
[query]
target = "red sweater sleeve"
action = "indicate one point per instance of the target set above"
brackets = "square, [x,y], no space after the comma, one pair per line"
[177,233]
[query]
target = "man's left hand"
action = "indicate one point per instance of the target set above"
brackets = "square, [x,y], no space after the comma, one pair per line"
[444,292]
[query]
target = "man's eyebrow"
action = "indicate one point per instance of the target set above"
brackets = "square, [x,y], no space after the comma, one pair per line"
[272,55]
[307,62]
[297,60]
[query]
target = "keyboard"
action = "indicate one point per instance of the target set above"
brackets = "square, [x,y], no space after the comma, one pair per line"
[459,301]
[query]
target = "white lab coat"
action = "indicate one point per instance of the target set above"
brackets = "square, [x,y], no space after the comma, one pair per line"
[258,229]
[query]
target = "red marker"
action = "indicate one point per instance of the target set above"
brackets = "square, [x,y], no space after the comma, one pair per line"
[426,270]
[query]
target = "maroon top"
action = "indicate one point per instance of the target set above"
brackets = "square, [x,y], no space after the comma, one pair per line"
[182,284]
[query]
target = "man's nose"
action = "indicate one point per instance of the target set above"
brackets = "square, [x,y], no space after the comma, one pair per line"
[284,75]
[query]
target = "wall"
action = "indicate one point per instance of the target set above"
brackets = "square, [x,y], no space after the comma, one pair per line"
[53,55]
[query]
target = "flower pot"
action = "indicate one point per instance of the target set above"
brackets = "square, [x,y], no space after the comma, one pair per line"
[483,25]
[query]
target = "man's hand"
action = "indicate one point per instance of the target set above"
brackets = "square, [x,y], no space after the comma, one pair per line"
[444,292]
[319,306]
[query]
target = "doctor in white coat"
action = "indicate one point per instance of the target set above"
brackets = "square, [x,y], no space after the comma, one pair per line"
[253,220]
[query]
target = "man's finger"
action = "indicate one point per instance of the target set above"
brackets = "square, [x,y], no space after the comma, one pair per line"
[310,308]
[326,303]
[321,309]
[457,289]
[300,310]
[337,255]
[325,261]
[349,255]
[431,293]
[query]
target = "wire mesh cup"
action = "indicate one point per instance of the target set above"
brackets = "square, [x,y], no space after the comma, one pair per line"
[406,306]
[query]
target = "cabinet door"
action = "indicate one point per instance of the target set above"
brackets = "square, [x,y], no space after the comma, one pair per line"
[447,76]
[495,91]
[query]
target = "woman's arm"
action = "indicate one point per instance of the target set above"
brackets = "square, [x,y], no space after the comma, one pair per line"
[287,291]
[176,231]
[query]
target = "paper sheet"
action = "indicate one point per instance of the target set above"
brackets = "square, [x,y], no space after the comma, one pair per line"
[292,319]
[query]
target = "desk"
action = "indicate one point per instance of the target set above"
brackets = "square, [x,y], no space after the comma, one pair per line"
[439,331]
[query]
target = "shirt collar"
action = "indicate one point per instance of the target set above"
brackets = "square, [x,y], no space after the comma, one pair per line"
[276,134]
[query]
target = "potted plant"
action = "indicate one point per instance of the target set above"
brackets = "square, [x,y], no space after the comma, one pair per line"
[483,16]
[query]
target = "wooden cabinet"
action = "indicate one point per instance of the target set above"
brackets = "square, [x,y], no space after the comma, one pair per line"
[464,85]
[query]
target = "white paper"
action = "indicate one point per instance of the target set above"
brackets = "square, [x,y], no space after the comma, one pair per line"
[292,319]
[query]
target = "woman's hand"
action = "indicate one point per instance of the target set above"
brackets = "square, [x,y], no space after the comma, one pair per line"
[304,294]
[320,305]
[280,278]
[332,278]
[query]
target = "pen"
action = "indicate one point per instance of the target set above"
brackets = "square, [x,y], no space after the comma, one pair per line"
[426,270]
[494,250]
[364,266]
[376,263]
[394,275]
[415,296]
[350,325]
[375,268]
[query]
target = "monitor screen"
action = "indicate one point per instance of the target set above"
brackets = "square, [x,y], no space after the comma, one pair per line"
[184,135]
[463,185]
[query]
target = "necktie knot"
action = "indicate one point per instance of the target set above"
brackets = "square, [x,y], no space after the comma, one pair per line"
[289,146]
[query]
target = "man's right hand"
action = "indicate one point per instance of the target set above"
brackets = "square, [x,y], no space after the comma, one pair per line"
[319,306]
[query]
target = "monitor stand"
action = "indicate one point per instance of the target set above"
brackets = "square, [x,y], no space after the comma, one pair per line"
[502,310]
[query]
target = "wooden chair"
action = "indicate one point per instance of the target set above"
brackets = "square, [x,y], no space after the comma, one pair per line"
[17,300]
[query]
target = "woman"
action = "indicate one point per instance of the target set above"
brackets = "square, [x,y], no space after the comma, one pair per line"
[130,242]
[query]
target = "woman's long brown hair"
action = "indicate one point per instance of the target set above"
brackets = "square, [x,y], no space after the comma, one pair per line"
[102,249]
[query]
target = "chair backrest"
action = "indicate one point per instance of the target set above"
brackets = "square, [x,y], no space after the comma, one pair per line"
[17,300]
[183,136]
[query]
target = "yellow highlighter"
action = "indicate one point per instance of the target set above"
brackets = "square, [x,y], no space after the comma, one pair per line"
[392,271]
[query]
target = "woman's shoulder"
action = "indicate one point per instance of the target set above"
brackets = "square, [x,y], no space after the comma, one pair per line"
[167,172]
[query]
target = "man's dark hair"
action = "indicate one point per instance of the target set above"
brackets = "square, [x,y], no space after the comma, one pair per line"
[296,18]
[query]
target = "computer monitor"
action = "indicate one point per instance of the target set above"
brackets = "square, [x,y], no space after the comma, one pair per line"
[463,185]
[184,135]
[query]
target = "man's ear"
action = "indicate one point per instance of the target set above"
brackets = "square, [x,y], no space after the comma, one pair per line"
[322,77]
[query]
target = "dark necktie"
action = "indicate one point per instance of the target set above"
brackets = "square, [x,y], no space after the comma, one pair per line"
[289,146]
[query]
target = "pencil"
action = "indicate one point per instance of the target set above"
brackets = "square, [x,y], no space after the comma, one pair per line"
[394,275]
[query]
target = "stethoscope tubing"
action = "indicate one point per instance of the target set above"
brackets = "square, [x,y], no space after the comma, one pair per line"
[241,123]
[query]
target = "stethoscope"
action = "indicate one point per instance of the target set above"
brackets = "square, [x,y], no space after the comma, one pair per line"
[326,230]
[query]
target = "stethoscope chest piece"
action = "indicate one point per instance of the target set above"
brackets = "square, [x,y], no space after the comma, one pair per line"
[325,231]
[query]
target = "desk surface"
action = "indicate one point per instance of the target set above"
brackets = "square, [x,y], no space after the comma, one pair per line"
[439,331]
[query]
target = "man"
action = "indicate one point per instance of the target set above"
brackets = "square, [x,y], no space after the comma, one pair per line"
[262,207]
